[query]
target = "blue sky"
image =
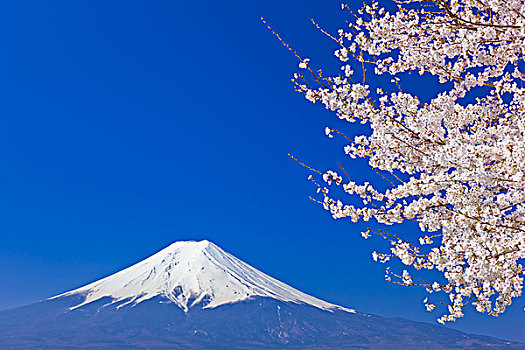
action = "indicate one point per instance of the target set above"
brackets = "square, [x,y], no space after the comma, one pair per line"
[127,125]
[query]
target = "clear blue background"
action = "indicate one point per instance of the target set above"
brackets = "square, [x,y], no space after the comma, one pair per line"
[128,125]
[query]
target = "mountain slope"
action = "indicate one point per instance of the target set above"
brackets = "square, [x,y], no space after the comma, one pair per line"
[191,273]
[193,295]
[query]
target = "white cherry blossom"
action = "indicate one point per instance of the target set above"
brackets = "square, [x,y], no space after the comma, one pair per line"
[454,163]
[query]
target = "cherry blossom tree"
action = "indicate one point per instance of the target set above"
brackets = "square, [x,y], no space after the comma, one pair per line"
[454,164]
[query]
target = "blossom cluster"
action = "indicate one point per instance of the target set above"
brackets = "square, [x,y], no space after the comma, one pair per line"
[454,164]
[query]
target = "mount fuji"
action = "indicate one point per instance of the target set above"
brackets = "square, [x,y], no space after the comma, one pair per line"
[189,274]
[194,295]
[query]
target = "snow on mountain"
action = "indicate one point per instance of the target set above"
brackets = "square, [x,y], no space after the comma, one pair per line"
[188,273]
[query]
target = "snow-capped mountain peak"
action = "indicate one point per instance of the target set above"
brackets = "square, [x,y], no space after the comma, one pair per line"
[188,273]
